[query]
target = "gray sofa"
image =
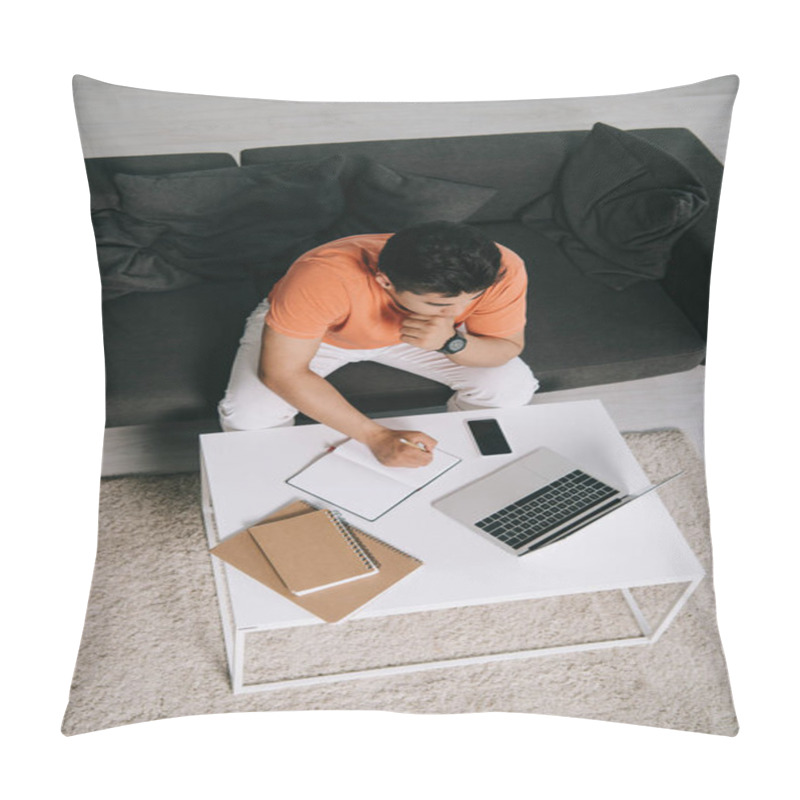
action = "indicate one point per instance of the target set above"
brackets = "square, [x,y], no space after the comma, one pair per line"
[616,229]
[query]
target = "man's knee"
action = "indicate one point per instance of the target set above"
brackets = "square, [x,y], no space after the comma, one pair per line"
[509,386]
[254,415]
[516,387]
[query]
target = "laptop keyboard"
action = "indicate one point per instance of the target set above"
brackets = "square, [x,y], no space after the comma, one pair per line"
[545,509]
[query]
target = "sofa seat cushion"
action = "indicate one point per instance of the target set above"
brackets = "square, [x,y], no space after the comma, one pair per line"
[581,332]
[375,389]
[169,354]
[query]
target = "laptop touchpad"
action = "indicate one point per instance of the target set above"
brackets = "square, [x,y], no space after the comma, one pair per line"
[546,464]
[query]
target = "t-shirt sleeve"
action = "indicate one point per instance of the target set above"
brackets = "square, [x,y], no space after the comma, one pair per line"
[307,301]
[502,309]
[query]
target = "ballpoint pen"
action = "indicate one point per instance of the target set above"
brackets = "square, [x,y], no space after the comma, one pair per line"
[418,445]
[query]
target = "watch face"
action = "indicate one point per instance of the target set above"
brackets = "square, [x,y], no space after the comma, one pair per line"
[455,344]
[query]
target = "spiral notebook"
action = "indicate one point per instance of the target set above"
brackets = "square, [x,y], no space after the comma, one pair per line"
[331,605]
[314,551]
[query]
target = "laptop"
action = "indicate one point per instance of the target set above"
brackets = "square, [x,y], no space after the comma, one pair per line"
[535,501]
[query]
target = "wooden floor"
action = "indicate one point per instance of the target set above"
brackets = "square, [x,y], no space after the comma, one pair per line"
[669,401]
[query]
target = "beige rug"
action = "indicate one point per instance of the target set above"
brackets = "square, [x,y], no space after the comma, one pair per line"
[152,645]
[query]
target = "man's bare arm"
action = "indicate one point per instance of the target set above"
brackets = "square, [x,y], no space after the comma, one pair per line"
[430,333]
[284,368]
[489,351]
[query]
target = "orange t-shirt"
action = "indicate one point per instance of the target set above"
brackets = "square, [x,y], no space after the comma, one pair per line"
[330,293]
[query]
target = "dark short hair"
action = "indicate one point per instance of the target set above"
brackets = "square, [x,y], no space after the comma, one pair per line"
[444,258]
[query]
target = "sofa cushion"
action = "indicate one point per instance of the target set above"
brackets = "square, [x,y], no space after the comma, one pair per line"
[169,354]
[518,166]
[127,261]
[619,204]
[208,201]
[379,198]
[217,224]
[378,389]
[100,172]
[581,333]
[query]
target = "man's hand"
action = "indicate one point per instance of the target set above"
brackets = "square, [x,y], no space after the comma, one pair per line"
[428,333]
[401,448]
[284,369]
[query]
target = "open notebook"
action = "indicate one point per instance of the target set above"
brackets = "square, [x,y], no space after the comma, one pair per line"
[351,478]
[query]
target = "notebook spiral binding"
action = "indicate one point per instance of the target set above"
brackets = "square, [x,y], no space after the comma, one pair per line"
[362,533]
[387,544]
[342,527]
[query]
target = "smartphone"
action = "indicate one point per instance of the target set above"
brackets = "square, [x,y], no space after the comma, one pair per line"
[488,436]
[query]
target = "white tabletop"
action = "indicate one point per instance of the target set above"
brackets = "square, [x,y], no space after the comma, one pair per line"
[639,545]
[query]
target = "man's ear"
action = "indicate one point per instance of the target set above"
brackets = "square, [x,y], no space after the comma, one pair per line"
[383,280]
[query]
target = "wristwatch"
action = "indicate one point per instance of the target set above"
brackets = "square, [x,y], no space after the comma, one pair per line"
[455,344]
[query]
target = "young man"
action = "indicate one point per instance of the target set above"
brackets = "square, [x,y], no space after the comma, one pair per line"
[438,299]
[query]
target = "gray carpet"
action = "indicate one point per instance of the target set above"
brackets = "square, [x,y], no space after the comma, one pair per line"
[152,645]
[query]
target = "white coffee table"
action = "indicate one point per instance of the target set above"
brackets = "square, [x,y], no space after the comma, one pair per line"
[243,480]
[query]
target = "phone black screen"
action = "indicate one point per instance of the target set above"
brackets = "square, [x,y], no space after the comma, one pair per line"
[488,436]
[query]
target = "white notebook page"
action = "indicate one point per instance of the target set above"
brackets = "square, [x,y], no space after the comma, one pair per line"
[353,479]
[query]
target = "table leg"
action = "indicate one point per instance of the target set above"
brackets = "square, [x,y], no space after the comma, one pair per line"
[649,636]
[237,662]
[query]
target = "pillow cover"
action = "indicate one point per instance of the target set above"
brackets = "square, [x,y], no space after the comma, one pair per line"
[153,646]
[127,258]
[379,198]
[175,229]
[619,204]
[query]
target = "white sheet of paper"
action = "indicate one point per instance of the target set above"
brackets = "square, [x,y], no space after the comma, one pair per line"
[354,480]
[410,476]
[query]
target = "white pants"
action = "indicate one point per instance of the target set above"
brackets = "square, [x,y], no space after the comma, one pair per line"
[249,405]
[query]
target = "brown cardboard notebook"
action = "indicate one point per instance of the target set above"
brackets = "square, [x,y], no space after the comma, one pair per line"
[313,551]
[330,605]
